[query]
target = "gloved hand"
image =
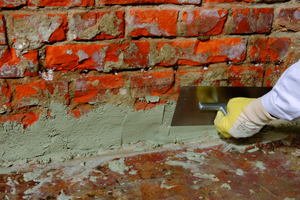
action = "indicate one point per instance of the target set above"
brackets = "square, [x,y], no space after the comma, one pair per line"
[245,117]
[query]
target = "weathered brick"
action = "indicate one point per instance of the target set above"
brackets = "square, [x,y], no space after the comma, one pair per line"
[12,65]
[248,76]
[213,76]
[226,1]
[97,25]
[27,119]
[5,97]
[254,20]
[288,19]
[31,31]
[12,3]
[66,3]
[183,52]
[144,105]
[221,75]
[98,88]
[98,57]
[122,2]
[81,110]
[204,22]
[268,49]
[152,22]
[2,30]
[272,75]
[41,93]
[152,83]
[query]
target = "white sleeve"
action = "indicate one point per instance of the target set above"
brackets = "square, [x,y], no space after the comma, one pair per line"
[283,101]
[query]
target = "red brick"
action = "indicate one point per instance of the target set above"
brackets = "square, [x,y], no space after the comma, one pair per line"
[2,30]
[97,25]
[256,20]
[5,96]
[183,52]
[31,31]
[13,66]
[272,75]
[122,2]
[143,105]
[221,75]
[12,3]
[226,1]
[288,19]
[269,49]
[98,57]
[96,89]
[204,22]
[40,92]
[152,83]
[27,119]
[67,3]
[152,22]
[81,110]
[246,76]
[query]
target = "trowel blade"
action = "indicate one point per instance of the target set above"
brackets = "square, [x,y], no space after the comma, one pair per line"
[187,112]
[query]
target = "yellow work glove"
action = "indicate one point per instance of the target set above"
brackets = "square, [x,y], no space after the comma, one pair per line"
[245,117]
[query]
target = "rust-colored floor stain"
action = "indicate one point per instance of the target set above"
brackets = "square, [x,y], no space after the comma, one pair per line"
[268,171]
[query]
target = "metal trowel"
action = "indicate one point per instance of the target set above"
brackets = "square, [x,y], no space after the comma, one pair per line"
[197,105]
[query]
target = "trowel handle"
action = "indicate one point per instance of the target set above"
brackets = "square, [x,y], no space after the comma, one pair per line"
[214,106]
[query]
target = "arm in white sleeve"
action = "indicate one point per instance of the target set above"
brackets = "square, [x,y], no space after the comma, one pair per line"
[283,101]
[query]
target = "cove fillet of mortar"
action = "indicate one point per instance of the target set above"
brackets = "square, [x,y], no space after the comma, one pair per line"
[106,127]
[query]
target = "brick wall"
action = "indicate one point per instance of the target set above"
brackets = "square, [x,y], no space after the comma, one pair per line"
[84,53]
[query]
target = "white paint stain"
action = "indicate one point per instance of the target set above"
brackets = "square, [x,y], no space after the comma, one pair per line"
[206,176]
[239,172]
[163,185]
[226,185]
[47,76]
[260,165]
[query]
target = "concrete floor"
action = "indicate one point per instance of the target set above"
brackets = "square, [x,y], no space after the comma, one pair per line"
[213,170]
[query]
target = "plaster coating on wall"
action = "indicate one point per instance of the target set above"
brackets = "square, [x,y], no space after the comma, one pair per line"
[107,127]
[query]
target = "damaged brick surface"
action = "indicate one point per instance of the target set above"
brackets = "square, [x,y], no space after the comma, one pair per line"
[2,30]
[25,119]
[221,75]
[12,3]
[12,65]
[97,89]
[39,92]
[5,97]
[69,3]
[257,20]
[269,49]
[97,25]
[198,53]
[122,2]
[152,83]
[151,22]
[204,22]
[102,58]
[32,31]
[288,19]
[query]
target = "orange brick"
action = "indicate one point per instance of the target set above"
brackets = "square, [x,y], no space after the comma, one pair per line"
[204,22]
[98,57]
[269,49]
[152,22]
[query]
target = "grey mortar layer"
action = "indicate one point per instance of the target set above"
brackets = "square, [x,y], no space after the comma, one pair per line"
[107,127]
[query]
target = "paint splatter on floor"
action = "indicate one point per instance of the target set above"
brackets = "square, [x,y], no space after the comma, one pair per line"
[191,172]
